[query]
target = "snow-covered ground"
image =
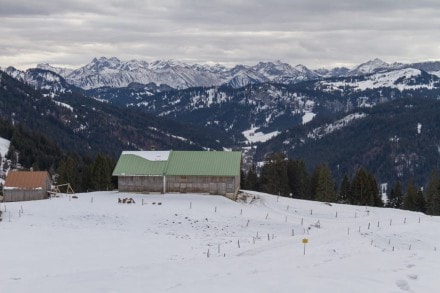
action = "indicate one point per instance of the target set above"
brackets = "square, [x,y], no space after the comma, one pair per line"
[94,244]
[4,146]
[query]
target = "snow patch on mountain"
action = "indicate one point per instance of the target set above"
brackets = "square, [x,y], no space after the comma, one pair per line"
[254,136]
[307,117]
[326,129]
[61,104]
[402,79]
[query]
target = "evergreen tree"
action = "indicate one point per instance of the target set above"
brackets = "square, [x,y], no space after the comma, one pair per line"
[432,192]
[252,179]
[420,202]
[345,190]
[373,191]
[436,203]
[242,179]
[274,175]
[298,177]
[325,188]
[395,198]
[410,200]
[100,173]
[360,188]
[68,172]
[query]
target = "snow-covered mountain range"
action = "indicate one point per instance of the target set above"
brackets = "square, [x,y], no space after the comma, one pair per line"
[114,73]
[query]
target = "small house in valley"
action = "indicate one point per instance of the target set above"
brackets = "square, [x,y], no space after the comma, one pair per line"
[26,185]
[179,171]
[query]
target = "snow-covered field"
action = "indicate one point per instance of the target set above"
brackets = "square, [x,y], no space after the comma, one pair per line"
[94,244]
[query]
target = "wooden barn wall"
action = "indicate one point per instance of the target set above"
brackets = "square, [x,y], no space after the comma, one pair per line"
[140,183]
[201,184]
[24,194]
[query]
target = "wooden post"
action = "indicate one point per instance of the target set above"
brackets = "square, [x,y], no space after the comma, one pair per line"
[302,221]
[267,215]
[368,226]
[247,224]
[293,232]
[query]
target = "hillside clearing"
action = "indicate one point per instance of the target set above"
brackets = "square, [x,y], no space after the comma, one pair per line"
[196,243]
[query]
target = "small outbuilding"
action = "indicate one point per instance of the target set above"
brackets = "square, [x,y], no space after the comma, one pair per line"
[213,172]
[26,185]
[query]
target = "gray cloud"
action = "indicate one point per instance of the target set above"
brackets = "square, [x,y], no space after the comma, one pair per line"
[316,33]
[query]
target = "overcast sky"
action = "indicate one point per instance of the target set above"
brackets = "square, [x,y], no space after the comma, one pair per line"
[316,33]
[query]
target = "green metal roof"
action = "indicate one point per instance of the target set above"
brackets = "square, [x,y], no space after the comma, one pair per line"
[130,164]
[181,163]
[187,163]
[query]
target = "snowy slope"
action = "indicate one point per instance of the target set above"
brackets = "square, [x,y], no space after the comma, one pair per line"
[63,245]
[401,79]
[4,147]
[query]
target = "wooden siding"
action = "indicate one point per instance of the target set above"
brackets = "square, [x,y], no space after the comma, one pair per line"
[21,194]
[221,185]
[201,184]
[140,183]
[24,194]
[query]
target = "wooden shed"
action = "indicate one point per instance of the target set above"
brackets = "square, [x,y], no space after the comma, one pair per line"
[26,185]
[179,171]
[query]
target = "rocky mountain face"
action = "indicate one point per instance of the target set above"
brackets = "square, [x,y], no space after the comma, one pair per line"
[112,72]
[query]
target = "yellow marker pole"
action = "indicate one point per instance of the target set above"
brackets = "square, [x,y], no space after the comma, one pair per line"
[305,241]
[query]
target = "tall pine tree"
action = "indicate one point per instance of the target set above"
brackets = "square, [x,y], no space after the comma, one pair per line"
[325,188]
[344,195]
[274,175]
[432,194]
[298,177]
[395,198]
[410,200]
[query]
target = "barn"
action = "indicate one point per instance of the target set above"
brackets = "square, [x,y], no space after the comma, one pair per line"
[26,185]
[179,171]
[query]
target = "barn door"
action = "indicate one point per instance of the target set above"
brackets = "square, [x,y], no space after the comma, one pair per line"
[212,188]
[222,188]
